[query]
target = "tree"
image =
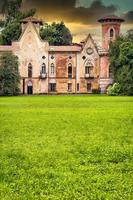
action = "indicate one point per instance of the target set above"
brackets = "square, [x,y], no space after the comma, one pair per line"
[3,6]
[11,33]
[13,10]
[125,79]
[12,27]
[56,34]
[9,74]
[121,62]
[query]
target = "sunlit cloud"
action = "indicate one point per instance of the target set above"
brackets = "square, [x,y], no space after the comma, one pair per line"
[81,15]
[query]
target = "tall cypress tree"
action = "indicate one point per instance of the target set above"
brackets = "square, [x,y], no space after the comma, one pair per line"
[9,74]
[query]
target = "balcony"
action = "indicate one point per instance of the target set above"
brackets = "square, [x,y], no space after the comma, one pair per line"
[89,76]
[43,75]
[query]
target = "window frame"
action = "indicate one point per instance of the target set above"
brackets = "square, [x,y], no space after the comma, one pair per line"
[70,70]
[87,70]
[70,87]
[43,68]
[30,70]
[52,87]
[52,69]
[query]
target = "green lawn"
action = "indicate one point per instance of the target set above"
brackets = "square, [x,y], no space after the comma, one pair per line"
[66,148]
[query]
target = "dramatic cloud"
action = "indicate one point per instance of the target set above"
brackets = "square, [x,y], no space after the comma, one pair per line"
[91,14]
[80,15]
[50,4]
[67,10]
[129,17]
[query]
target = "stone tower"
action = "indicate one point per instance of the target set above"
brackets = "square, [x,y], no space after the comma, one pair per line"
[110,29]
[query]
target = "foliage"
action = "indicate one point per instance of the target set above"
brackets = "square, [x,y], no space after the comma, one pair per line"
[3,6]
[125,79]
[66,147]
[12,27]
[114,90]
[121,62]
[9,75]
[13,10]
[56,34]
[11,32]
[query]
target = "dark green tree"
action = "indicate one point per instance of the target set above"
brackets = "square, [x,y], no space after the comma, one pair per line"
[121,62]
[11,27]
[10,33]
[3,6]
[9,74]
[56,34]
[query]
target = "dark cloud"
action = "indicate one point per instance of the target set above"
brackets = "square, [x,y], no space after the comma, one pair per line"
[50,4]
[90,15]
[66,10]
[129,17]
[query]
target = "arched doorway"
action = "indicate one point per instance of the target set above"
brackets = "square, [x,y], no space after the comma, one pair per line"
[29,88]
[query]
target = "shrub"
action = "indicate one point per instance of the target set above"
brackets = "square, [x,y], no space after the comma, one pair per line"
[114,90]
[96,91]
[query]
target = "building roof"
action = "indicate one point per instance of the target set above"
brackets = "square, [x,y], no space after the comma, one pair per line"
[32,19]
[5,48]
[74,48]
[111,18]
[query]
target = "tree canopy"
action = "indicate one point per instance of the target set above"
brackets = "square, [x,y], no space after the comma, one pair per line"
[11,27]
[56,34]
[9,74]
[121,62]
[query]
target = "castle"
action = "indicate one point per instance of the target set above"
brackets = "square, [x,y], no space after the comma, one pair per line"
[78,68]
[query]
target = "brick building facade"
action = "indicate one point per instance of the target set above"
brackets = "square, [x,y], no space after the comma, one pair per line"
[78,68]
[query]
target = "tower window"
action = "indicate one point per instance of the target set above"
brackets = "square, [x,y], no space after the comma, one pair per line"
[111,33]
[29,70]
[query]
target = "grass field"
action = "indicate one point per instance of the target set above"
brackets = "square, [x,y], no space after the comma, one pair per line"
[66,148]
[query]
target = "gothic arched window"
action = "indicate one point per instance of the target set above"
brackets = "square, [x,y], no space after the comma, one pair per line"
[70,70]
[88,68]
[30,70]
[111,33]
[43,70]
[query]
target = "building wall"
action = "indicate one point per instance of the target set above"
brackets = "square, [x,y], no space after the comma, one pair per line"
[84,59]
[31,50]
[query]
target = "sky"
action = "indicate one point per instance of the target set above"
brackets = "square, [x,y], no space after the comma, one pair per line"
[81,16]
